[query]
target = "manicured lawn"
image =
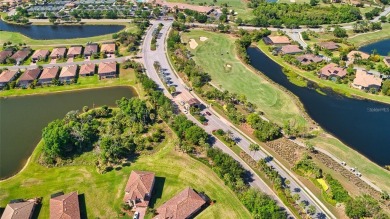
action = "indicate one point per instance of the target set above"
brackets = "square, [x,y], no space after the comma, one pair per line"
[126,77]
[367,38]
[239,6]
[104,192]
[216,53]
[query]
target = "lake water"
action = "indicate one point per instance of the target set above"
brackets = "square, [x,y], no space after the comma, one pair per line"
[382,47]
[47,32]
[23,118]
[361,124]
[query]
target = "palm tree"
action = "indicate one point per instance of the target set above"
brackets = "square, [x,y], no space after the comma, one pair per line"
[254,147]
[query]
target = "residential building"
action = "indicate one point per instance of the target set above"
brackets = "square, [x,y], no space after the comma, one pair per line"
[4,55]
[7,76]
[58,53]
[107,70]
[386,60]
[108,48]
[65,206]
[354,54]
[19,210]
[307,59]
[29,76]
[183,205]
[40,54]
[87,69]
[90,49]
[366,81]
[276,40]
[139,189]
[48,75]
[68,73]
[332,71]
[21,55]
[290,49]
[330,45]
[74,51]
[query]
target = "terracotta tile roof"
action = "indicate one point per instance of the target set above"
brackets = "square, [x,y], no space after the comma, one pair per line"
[68,71]
[65,206]
[74,50]
[90,49]
[7,75]
[19,210]
[290,49]
[278,39]
[108,47]
[362,54]
[49,72]
[4,54]
[183,205]
[106,67]
[87,69]
[309,58]
[40,53]
[30,74]
[139,187]
[333,69]
[329,45]
[182,6]
[58,52]
[21,55]
[365,80]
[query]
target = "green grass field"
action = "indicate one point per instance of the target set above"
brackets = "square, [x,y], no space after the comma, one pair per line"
[104,192]
[216,53]
[367,38]
[239,6]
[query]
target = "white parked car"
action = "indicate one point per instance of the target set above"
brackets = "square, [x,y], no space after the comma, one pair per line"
[136,215]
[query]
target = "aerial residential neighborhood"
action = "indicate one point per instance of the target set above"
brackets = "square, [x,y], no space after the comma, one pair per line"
[172,109]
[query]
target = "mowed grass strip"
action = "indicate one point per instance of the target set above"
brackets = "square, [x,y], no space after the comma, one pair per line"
[104,192]
[217,54]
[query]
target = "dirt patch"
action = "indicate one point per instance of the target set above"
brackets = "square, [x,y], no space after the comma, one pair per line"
[203,39]
[228,67]
[193,44]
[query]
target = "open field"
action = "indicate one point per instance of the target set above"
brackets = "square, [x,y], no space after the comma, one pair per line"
[367,38]
[239,6]
[217,53]
[104,192]
[126,77]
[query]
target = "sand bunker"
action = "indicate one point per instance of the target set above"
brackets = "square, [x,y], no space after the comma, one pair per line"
[193,44]
[228,66]
[203,39]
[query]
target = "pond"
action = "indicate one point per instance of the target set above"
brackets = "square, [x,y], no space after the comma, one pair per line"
[23,118]
[361,124]
[382,47]
[48,32]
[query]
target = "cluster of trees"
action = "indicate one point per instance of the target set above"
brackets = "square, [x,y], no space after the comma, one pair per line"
[308,67]
[294,15]
[364,207]
[245,40]
[365,26]
[308,167]
[131,40]
[337,191]
[386,87]
[373,13]
[19,17]
[264,131]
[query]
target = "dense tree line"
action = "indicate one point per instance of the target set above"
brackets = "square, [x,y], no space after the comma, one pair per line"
[337,191]
[294,15]
[364,207]
[246,39]
[264,131]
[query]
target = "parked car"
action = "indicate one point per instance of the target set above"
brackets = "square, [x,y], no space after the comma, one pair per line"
[208,113]
[136,215]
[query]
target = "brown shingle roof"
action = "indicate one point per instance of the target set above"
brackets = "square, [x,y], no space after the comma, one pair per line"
[19,210]
[90,49]
[68,71]
[365,80]
[21,55]
[49,72]
[87,69]
[333,69]
[58,52]
[40,53]
[4,54]
[183,205]
[309,58]
[279,39]
[108,47]
[74,50]
[329,45]
[30,74]
[65,206]
[7,75]
[106,67]
[139,186]
[290,49]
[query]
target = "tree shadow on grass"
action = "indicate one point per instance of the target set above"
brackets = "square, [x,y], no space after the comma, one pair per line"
[83,206]
[157,190]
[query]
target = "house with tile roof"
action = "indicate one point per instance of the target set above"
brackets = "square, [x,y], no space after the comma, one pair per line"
[107,70]
[139,187]
[4,55]
[48,75]
[91,49]
[21,55]
[330,45]
[355,54]
[29,76]
[366,81]
[7,76]
[68,73]
[184,205]
[40,54]
[58,53]
[290,49]
[87,69]
[307,59]
[74,51]
[332,71]
[65,206]
[19,210]
[108,48]
[277,40]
